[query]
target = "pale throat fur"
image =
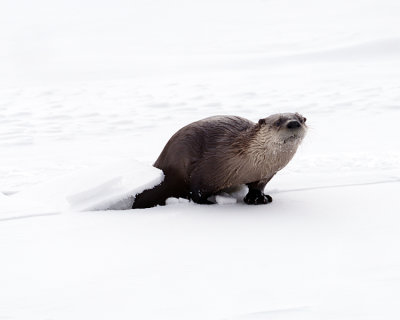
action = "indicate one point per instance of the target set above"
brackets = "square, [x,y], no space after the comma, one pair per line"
[265,151]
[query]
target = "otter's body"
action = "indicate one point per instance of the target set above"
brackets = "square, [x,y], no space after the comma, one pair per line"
[220,152]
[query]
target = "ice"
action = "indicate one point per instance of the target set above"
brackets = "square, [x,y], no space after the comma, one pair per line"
[111,186]
[225,199]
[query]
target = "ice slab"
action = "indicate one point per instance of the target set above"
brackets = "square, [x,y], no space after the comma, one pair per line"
[111,186]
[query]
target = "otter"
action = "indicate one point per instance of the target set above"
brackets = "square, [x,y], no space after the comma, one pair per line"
[222,152]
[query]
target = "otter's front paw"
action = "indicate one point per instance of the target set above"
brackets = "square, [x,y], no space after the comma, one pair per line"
[257,197]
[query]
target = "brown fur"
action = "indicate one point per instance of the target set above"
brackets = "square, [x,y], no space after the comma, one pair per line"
[216,153]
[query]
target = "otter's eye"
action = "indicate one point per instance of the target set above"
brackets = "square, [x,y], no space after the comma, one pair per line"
[301,119]
[278,123]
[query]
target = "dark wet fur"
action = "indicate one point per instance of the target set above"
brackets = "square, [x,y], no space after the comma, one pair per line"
[205,157]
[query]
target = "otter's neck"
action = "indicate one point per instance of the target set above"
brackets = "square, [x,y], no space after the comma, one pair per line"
[266,152]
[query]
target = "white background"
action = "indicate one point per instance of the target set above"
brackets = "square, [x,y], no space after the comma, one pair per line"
[86,84]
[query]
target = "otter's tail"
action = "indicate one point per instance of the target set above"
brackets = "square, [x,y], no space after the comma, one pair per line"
[157,196]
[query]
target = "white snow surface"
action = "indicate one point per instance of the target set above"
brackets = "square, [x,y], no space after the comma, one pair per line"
[111,186]
[92,90]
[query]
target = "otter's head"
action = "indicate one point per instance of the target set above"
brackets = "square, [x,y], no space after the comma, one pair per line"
[284,128]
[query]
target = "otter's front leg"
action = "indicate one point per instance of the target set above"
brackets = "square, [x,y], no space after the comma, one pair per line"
[256,193]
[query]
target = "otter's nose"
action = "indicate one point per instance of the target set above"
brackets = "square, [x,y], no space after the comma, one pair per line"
[293,124]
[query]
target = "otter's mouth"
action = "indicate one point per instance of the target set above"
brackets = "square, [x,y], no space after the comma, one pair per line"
[291,138]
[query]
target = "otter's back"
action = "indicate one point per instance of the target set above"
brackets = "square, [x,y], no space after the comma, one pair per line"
[190,143]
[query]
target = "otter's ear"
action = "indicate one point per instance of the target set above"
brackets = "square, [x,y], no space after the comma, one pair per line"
[261,122]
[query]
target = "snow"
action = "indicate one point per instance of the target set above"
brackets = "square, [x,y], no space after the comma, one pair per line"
[111,186]
[91,92]
[307,255]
